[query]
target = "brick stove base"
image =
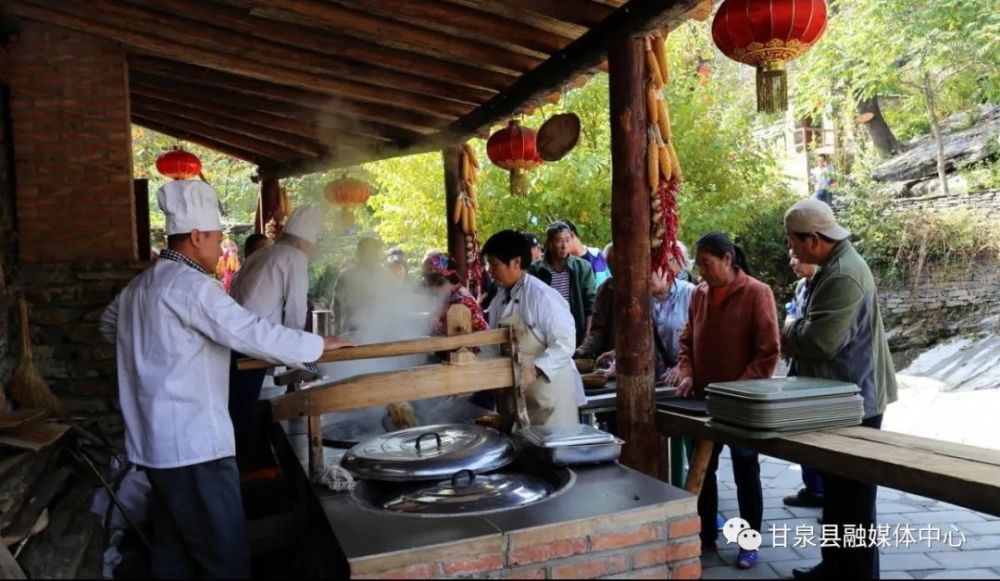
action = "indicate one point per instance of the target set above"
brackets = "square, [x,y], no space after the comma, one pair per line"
[658,542]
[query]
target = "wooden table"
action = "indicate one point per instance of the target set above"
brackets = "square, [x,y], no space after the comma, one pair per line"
[963,475]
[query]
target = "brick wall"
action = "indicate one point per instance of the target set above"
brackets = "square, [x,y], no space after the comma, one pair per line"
[72,146]
[659,542]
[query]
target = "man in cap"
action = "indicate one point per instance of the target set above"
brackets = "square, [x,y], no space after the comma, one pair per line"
[840,336]
[273,284]
[174,327]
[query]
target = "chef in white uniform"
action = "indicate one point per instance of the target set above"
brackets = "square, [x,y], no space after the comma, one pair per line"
[273,284]
[545,328]
[174,327]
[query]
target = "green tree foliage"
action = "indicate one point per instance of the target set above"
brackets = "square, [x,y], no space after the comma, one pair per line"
[887,47]
[731,179]
[229,176]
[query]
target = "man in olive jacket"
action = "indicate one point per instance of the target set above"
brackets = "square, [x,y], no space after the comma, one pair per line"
[840,336]
[573,277]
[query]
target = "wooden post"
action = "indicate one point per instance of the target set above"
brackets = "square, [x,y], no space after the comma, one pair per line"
[630,233]
[140,189]
[452,156]
[269,200]
[315,431]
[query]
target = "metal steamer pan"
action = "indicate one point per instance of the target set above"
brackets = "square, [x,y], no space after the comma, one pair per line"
[571,445]
[435,452]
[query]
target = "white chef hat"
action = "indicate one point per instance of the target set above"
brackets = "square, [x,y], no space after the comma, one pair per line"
[189,205]
[305,223]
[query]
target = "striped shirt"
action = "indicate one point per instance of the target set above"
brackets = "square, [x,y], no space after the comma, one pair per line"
[561,282]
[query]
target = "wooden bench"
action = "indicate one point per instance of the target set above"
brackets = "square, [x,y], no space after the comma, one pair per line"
[963,475]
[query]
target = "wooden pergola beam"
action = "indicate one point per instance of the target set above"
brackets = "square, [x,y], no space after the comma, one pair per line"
[86,19]
[236,140]
[462,21]
[181,74]
[225,148]
[277,116]
[587,52]
[396,34]
[332,45]
[303,147]
[579,12]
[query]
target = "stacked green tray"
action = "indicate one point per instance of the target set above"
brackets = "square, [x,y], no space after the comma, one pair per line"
[767,408]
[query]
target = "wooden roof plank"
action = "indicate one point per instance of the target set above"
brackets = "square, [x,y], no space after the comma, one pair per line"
[282,114]
[464,22]
[579,14]
[93,24]
[224,148]
[585,53]
[397,34]
[182,74]
[208,36]
[238,140]
[337,45]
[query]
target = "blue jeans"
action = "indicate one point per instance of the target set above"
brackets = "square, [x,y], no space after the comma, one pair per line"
[812,479]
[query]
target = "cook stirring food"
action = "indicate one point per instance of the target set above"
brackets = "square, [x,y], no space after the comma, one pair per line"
[174,327]
[545,328]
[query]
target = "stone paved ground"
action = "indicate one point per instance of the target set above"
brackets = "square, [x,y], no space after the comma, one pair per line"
[918,412]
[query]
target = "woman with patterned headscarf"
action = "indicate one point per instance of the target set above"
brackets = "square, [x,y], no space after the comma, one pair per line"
[441,278]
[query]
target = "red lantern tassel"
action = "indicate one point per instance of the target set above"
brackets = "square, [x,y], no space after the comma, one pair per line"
[772,87]
[518,182]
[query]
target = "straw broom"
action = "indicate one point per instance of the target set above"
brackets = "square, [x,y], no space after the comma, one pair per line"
[28,387]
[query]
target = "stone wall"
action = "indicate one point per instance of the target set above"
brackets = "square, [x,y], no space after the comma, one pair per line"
[72,147]
[979,202]
[979,288]
[66,305]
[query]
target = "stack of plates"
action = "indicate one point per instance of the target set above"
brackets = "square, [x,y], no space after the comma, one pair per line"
[768,408]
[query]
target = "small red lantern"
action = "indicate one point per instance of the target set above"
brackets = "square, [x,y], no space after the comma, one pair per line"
[347,192]
[179,164]
[513,148]
[766,34]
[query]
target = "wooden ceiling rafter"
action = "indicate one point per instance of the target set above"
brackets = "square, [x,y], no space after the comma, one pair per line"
[214,117]
[336,88]
[352,76]
[181,74]
[395,34]
[331,45]
[263,148]
[281,116]
[465,22]
[198,139]
[584,54]
[565,17]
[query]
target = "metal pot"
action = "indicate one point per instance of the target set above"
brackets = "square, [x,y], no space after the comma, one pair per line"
[467,492]
[429,453]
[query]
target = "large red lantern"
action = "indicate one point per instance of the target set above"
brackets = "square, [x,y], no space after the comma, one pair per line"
[766,34]
[347,192]
[513,148]
[179,164]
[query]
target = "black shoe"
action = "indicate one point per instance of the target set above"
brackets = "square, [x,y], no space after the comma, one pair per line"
[808,573]
[804,498]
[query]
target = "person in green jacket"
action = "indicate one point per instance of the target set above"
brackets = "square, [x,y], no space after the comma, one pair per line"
[840,336]
[573,277]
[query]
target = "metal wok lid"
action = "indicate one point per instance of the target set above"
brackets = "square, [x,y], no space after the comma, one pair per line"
[470,493]
[429,453]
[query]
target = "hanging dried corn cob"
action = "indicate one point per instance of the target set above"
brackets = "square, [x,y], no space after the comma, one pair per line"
[464,213]
[663,169]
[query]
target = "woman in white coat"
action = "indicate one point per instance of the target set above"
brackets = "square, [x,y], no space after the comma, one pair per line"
[545,328]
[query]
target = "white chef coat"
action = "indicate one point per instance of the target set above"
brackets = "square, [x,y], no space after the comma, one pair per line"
[546,313]
[174,327]
[274,284]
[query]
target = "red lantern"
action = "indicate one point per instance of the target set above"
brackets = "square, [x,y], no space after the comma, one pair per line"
[179,164]
[347,192]
[766,34]
[513,148]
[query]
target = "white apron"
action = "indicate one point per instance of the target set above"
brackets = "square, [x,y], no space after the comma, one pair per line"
[552,401]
